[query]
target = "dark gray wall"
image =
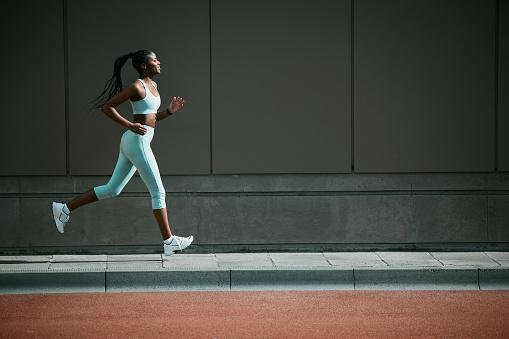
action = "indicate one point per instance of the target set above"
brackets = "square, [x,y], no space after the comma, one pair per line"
[280,86]
[424,80]
[423,85]
[178,31]
[33,136]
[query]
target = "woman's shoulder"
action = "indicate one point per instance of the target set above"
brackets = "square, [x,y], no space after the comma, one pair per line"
[140,83]
[138,87]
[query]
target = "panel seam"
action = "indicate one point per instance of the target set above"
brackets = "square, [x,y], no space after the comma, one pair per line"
[66,87]
[352,103]
[497,14]
[210,89]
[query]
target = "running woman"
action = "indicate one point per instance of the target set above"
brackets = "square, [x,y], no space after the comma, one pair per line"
[135,152]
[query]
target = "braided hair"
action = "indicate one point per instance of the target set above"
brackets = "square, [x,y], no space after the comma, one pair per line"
[114,84]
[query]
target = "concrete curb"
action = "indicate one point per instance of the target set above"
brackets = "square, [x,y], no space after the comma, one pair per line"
[52,282]
[254,278]
[200,280]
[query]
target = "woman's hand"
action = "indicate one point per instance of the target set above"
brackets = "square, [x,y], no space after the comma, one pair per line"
[175,104]
[138,128]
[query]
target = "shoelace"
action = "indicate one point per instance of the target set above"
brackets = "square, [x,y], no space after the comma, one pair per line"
[178,241]
[66,216]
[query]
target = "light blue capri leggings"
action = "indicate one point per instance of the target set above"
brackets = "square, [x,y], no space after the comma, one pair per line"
[135,154]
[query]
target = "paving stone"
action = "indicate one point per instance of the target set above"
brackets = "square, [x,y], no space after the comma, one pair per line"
[134,265]
[191,261]
[24,267]
[77,266]
[134,257]
[500,257]
[243,259]
[79,258]
[354,259]
[477,259]
[422,259]
[298,259]
[25,258]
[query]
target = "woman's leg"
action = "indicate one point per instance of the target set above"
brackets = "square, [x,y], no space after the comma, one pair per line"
[123,172]
[83,199]
[146,164]
[161,215]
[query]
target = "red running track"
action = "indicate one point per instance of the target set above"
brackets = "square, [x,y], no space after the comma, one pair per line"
[254,314]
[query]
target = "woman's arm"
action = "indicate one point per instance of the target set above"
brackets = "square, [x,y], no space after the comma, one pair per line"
[175,104]
[109,107]
[163,114]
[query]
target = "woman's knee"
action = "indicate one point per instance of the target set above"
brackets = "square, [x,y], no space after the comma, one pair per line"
[158,198]
[106,191]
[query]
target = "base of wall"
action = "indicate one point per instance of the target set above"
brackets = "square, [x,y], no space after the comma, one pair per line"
[236,248]
[279,212]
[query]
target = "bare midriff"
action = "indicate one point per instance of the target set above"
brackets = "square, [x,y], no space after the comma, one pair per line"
[145,119]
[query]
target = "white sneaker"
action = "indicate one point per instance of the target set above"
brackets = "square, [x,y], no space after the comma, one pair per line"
[177,244]
[60,217]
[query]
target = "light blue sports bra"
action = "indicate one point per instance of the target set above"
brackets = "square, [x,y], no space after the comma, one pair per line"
[149,104]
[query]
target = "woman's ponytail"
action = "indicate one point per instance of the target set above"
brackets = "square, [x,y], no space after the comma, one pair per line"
[114,84]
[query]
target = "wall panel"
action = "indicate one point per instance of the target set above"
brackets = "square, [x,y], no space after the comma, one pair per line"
[33,136]
[280,86]
[424,85]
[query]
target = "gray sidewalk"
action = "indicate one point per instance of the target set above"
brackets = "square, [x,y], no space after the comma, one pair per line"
[256,271]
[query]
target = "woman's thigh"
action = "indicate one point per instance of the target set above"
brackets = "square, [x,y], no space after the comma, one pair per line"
[148,169]
[123,172]
[139,152]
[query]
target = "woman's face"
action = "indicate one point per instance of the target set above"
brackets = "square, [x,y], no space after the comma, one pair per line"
[153,64]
